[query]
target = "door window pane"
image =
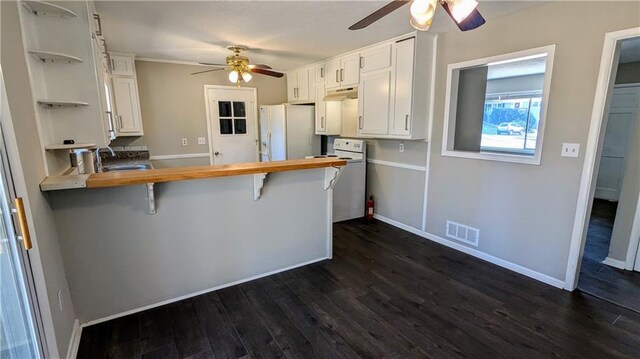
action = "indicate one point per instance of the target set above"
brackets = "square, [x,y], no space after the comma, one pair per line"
[226,126]
[239,109]
[224,109]
[241,126]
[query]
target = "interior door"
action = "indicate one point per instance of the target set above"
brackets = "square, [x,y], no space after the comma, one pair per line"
[622,115]
[233,124]
[18,328]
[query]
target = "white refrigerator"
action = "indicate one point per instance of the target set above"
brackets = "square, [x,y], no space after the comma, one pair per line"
[287,132]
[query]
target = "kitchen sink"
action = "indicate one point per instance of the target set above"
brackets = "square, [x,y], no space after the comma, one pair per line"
[140,167]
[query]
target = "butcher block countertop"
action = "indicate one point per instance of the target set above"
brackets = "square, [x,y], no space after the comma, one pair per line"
[125,178]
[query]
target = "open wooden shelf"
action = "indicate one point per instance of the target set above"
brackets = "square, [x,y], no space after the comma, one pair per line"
[75,146]
[43,8]
[50,56]
[58,103]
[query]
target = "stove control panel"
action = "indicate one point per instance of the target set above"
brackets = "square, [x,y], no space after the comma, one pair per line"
[347,144]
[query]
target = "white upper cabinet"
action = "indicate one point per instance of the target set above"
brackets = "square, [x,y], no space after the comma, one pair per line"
[376,58]
[374,101]
[127,107]
[301,85]
[320,71]
[403,56]
[127,117]
[344,71]
[122,64]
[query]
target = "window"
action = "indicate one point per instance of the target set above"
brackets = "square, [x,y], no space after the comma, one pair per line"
[495,107]
[232,118]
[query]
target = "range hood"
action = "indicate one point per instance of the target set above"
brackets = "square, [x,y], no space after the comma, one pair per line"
[342,94]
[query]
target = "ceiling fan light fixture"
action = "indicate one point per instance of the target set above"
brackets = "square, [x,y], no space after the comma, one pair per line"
[460,9]
[234,76]
[422,13]
[246,76]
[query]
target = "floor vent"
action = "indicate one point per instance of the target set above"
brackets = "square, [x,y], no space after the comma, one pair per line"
[463,233]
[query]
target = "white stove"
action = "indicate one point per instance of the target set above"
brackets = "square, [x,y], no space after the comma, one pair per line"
[349,193]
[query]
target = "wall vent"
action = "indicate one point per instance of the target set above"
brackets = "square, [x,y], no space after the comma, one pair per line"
[463,233]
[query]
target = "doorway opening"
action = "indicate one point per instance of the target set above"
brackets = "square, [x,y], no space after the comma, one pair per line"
[610,265]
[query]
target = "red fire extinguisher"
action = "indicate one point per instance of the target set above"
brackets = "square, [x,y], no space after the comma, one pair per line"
[370,205]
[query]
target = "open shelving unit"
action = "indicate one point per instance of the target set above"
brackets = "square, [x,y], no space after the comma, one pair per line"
[43,8]
[50,56]
[60,103]
[75,146]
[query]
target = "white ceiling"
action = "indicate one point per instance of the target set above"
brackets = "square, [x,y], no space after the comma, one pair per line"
[282,34]
[630,50]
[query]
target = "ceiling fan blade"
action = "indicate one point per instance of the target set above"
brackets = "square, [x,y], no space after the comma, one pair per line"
[267,72]
[472,21]
[379,14]
[211,64]
[260,66]
[205,71]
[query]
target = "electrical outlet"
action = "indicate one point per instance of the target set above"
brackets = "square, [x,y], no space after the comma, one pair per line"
[60,299]
[202,141]
[185,142]
[401,146]
[570,150]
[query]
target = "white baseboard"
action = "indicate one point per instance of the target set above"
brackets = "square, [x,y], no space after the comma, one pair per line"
[74,342]
[190,295]
[614,263]
[476,253]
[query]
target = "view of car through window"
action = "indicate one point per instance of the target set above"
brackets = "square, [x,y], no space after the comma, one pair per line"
[512,106]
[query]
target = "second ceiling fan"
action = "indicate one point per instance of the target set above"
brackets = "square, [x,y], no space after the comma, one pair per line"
[463,13]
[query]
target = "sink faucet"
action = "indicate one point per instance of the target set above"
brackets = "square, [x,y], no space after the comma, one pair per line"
[99,159]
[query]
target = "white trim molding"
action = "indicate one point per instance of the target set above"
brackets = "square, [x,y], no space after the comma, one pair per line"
[558,283]
[74,341]
[613,263]
[397,165]
[634,242]
[589,169]
[175,62]
[179,157]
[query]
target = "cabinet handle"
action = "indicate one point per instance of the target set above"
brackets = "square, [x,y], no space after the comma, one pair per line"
[97,17]
[341,75]
[360,122]
[362,62]
[337,79]
[120,120]
[22,223]
[113,65]
[322,72]
[322,122]
[406,122]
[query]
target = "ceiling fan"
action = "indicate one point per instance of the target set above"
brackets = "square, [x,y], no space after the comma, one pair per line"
[240,67]
[463,13]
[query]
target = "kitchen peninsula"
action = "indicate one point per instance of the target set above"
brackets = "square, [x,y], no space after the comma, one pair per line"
[214,226]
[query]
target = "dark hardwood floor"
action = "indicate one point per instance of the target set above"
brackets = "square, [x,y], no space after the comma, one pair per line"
[618,286]
[386,293]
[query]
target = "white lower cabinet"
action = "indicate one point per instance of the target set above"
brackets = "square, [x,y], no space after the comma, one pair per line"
[128,118]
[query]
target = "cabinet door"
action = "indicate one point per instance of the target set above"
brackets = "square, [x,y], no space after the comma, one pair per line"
[122,65]
[292,84]
[377,58]
[321,110]
[373,103]
[403,88]
[127,105]
[350,71]
[303,91]
[333,74]
[320,73]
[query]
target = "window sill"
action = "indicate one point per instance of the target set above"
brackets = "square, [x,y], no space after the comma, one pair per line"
[491,156]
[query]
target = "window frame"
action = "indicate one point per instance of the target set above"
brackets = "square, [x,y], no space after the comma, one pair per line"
[453,71]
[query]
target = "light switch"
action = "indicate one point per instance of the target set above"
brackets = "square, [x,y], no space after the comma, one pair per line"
[202,141]
[184,142]
[570,149]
